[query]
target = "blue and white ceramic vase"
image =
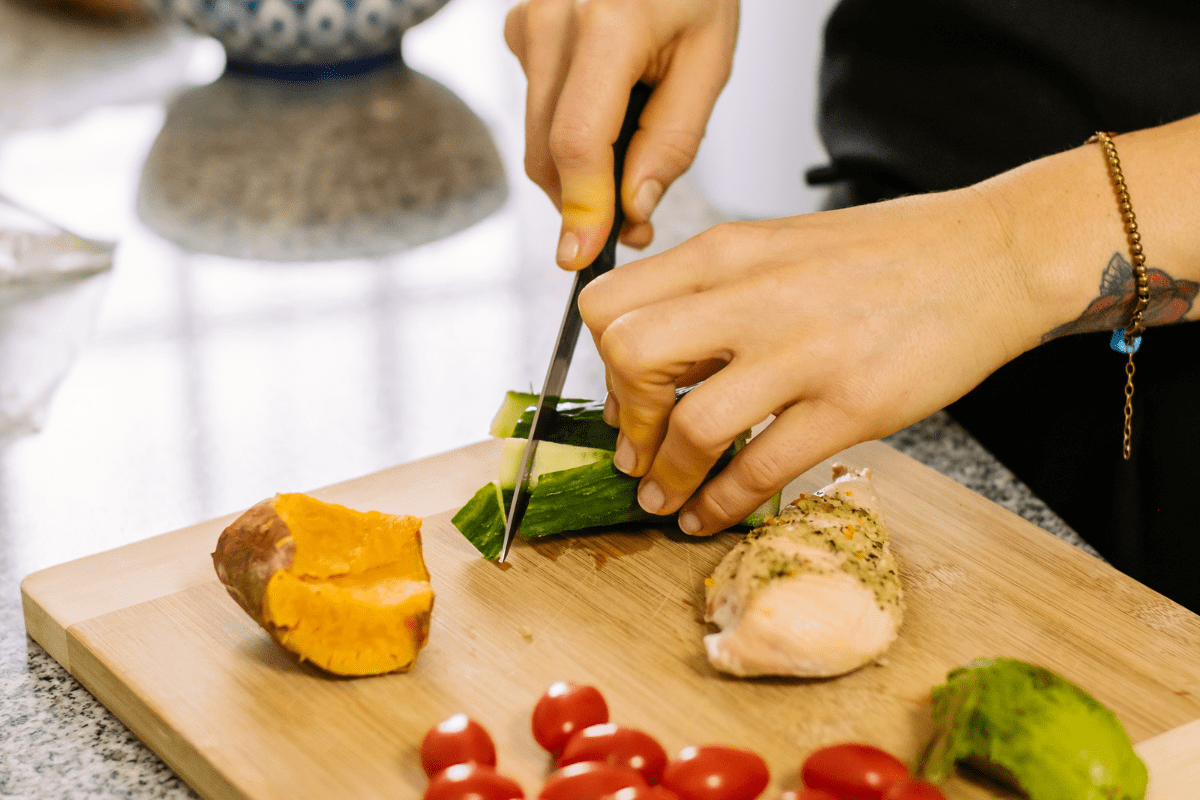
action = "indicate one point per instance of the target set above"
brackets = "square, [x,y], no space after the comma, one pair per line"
[302,39]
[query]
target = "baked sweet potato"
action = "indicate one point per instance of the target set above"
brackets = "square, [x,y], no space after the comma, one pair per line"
[345,590]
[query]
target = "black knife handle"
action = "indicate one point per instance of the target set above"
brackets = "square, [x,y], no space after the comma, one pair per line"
[633,112]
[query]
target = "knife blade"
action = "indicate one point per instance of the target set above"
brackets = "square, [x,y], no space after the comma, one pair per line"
[568,332]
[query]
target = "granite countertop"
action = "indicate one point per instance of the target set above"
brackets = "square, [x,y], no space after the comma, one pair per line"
[247,341]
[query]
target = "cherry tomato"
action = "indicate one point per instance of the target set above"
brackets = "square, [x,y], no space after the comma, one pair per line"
[853,771]
[472,781]
[622,746]
[716,773]
[913,789]
[643,793]
[564,709]
[456,740]
[589,780]
[808,794]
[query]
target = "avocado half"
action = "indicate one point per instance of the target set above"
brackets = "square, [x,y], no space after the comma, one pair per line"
[1027,728]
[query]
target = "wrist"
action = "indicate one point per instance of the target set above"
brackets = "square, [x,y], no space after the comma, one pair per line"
[1068,236]
[1061,228]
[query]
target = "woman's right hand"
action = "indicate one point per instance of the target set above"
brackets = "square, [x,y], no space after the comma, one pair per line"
[581,59]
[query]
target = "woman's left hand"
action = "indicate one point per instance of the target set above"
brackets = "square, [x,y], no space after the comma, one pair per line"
[844,325]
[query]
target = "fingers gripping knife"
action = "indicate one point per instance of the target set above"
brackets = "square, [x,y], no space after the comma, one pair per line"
[568,333]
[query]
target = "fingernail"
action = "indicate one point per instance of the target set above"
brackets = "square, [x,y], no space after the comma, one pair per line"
[568,247]
[611,415]
[650,497]
[647,197]
[689,523]
[624,458]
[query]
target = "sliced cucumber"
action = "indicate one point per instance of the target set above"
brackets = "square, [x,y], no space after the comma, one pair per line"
[481,520]
[511,409]
[573,483]
[516,414]
[548,457]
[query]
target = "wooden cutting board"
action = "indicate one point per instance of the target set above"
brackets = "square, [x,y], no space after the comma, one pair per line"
[149,631]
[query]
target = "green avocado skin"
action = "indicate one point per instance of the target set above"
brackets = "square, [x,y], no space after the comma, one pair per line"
[1032,730]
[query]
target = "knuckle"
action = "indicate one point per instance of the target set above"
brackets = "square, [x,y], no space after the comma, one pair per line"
[715,503]
[601,17]
[642,421]
[592,308]
[717,240]
[514,24]
[677,148]
[622,349]
[535,168]
[696,427]
[724,242]
[539,170]
[573,143]
[757,472]
[540,16]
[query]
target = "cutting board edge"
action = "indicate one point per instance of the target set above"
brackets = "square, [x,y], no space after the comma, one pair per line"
[46,628]
[51,605]
[147,724]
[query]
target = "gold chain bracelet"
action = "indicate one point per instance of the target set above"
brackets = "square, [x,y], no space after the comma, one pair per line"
[1132,335]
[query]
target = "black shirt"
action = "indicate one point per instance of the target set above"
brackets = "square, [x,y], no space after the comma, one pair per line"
[938,94]
[922,96]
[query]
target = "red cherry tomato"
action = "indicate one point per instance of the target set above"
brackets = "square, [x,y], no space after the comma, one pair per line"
[716,773]
[456,740]
[590,780]
[472,781]
[853,771]
[622,746]
[564,709]
[643,793]
[913,789]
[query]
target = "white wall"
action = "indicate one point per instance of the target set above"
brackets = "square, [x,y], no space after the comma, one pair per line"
[762,135]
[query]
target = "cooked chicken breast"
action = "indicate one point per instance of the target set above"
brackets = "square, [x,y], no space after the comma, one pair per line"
[813,593]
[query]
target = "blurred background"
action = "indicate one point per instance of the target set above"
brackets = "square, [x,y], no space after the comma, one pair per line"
[310,277]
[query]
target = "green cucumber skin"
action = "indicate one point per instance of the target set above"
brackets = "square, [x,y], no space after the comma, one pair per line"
[481,520]
[579,423]
[571,499]
[583,497]
[762,514]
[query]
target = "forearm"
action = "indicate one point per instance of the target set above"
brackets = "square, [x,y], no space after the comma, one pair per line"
[1068,240]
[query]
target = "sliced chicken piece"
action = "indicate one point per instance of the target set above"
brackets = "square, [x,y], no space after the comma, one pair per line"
[813,593]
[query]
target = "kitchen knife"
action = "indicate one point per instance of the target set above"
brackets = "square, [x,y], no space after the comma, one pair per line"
[568,333]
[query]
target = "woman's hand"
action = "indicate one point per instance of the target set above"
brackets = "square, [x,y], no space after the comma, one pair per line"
[582,58]
[844,325]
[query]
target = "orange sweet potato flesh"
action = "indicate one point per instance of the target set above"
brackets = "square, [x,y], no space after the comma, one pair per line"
[345,590]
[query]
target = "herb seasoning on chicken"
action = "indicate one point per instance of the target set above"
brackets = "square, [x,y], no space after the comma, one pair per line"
[813,593]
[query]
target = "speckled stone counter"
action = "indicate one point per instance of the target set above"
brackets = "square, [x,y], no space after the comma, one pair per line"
[212,381]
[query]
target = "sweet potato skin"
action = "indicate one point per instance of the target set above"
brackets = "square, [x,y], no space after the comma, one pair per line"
[249,551]
[344,590]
